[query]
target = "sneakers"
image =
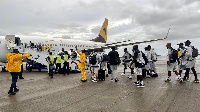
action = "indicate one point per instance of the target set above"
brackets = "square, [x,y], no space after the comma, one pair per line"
[21,77]
[84,80]
[184,79]
[94,80]
[168,79]
[111,80]
[180,80]
[123,74]
[16,90]
[11,93]
[130,77]
[155,75]
[177,78]
[137,83]
[116,80]
[141,85]
[196,81]
[148,76]
[106,75]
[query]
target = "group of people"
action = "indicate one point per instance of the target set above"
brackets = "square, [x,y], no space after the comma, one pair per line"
[143,63]
[61,59]
[184,58]
[140,63]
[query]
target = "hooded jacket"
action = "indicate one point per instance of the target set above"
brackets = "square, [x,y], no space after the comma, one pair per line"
[15,61]
[82,59]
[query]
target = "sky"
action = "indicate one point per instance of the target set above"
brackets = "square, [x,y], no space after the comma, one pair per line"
[135,20]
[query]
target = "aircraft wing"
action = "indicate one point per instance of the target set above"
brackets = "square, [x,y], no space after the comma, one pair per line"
[125,43]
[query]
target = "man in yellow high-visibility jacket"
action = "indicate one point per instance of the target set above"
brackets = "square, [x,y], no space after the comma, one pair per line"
[14,67]
[58,63]
[82,64]
[65,57]
[51,61]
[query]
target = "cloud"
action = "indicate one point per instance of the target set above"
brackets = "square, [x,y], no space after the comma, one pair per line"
[82,19]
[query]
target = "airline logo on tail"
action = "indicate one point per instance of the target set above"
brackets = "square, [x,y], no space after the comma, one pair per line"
[103,33]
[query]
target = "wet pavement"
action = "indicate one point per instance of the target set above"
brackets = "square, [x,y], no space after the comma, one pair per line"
[39,93]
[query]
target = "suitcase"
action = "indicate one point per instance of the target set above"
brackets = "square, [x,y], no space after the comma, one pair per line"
[144,73]
[101,74]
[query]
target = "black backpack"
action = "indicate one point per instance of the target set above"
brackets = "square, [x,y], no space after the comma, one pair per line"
[92,59]
[104,58]
[174,56]
[117,60]
[195,52]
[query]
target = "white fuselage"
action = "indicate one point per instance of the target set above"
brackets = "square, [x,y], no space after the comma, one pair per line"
[54,44]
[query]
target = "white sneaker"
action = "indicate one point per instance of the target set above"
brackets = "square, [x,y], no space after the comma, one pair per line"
[130,77]
[123,74]
[178,78]
[94,80]
[153,73]
[111,80]
[148,76]
[141,85]
[136,83]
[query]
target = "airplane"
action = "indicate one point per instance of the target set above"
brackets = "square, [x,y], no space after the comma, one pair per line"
[25,43]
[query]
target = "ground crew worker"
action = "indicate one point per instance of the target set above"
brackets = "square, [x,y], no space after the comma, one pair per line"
[14,67]
[65,57]
[51,61]
[58,63]
[82,64]
[20,74]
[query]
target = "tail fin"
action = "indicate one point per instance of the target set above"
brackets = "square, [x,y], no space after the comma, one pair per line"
[103,33]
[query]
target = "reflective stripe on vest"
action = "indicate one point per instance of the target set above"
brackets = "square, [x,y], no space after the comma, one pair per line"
[66,58]
[51,59]
[59,60]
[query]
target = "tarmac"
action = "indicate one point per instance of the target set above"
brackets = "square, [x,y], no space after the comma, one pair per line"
[39,93]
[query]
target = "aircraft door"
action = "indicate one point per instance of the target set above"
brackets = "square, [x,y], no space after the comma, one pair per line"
[10,41]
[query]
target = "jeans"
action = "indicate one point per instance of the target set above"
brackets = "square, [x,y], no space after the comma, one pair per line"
[113,71]
[14,80]
[51,68]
